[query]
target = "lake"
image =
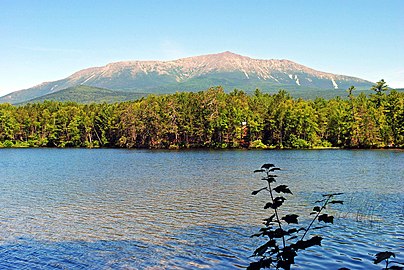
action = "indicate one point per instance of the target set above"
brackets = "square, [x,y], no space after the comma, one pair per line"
[141,209]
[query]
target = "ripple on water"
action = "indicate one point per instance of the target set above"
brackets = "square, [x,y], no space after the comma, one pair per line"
[116,209]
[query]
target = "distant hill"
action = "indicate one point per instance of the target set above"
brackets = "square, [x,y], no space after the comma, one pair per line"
[227,69]
[88,94]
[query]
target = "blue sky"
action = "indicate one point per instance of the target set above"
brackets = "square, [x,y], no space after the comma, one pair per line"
[46,40]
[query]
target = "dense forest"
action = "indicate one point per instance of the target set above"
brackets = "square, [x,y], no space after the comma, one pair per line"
[212,119]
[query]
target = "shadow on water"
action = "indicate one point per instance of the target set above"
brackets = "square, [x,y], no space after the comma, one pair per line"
[194,249]
[346,244]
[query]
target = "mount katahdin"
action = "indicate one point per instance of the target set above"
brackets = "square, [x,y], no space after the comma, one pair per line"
[197,73]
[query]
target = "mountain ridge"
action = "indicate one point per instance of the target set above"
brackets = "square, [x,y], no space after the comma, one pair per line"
[193,74]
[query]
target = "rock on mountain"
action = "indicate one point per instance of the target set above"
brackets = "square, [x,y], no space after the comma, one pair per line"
[193,74]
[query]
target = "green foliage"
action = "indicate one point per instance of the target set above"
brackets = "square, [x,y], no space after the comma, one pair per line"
[88,94]
[298,143]
[8,144]
[380,87]
[258,144]
[282,234]
[210,118]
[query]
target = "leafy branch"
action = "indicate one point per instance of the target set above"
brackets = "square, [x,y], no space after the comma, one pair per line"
[273,255]
[385,256]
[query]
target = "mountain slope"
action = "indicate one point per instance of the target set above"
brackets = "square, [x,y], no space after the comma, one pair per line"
[88,94]
[193,74]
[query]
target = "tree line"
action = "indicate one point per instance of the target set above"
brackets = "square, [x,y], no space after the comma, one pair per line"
[211,119]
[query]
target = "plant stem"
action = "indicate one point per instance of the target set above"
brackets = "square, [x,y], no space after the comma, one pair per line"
[311,223]
[276,212]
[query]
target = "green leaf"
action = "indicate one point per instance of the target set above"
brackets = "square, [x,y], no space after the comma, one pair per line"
[259,171]
[381,256]
[262,249]
[278,233]
[316,209]
[303,244]
[263,263]
[283,264]
[267,166]
[334,202]
[283,189]
[269,220]
[255,192]
[293,230]
[326,218]
[256,235]
[288,255]
[291,219]
[254,266]
[271,180]
[278,201]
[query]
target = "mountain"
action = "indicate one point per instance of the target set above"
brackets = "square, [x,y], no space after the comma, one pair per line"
[196,73]
[88,94]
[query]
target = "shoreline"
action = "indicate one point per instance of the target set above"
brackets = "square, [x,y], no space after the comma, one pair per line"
[207,148]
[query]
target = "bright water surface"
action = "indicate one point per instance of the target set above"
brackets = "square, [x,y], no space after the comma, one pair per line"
[122,209]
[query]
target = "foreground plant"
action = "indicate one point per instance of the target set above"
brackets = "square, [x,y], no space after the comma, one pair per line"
[284,239]
[385,256]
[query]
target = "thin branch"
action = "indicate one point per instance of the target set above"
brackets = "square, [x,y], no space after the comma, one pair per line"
[314,219]
[276,212]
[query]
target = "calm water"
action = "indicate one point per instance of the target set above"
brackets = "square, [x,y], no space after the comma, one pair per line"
[121,209]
